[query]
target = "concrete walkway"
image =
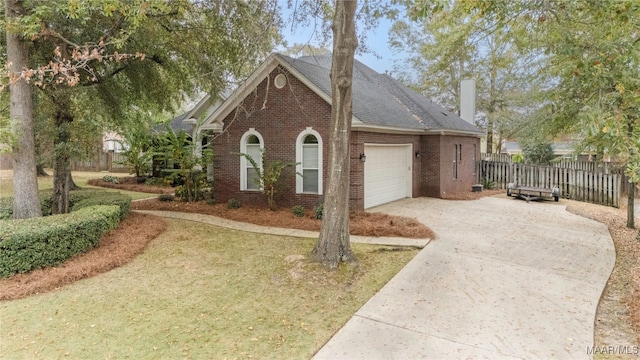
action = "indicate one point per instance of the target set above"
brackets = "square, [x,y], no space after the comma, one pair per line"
[505,279]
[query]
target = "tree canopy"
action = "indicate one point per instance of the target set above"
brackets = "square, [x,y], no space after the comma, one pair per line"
[592,54]
[96,59]
[455,44]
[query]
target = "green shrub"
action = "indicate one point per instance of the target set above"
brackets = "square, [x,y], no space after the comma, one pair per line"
[234,204]
[517,158]
[27,244]
[298,211]
[487,184]
[317,211]
[77,200]
[166,197]
[181,192]
[156,181]
[6,208]
[46,201]
[85,198]
[111,179]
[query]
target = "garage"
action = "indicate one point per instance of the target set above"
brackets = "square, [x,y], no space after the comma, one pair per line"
[387,173]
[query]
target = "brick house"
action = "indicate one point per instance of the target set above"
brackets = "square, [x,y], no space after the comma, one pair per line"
[402,144]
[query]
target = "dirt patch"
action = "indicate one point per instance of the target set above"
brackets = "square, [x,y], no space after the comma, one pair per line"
[360,222]
[470,195]
[115,249]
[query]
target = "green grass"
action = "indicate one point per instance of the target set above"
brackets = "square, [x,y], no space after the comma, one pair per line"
[79,177]
[202,292]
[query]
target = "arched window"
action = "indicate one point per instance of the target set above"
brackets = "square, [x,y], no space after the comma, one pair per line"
[251,144]
[309,159]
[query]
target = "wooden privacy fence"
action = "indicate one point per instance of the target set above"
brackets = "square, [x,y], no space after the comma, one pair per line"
[103,161]
[599,166]
[495,157]
[595,166]
[574,184]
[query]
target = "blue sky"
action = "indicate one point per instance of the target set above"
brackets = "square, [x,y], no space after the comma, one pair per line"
[377,40]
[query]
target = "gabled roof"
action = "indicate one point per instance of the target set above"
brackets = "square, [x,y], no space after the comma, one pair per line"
[380,103]
[188,120]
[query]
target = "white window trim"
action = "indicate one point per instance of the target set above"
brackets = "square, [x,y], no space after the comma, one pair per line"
[299,145]
[243,161]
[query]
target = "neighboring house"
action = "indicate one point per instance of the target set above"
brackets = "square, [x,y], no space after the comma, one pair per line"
[561,149]
[112,142]
[402,144]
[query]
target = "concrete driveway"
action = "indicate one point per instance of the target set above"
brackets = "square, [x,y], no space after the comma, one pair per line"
[505,279]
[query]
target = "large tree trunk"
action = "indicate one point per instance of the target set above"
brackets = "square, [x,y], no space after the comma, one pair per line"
[40,170]
[491,110]
[70,183]
[26,203]
[632,185]
[490,133]
[61,166]
[334,244]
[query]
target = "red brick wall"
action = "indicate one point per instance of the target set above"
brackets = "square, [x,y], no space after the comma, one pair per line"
[431,181]
[279,115]
[438,179]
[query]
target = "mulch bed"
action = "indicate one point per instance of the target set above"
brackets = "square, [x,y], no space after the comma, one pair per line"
[131,184]
[115,249]
[361,223]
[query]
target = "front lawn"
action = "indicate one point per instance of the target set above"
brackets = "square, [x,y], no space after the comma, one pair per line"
[200,291]
[81,178]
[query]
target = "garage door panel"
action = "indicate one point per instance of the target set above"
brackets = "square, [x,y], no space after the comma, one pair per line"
[387,174]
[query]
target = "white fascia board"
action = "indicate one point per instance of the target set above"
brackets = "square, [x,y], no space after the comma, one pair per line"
[453,132]
[392,130]
[384,129]
[194,113]
[214,121]
[215,127]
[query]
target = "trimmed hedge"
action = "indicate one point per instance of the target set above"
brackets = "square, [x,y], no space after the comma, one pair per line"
[78,199]
[6,204]
[27,244]
[85,198]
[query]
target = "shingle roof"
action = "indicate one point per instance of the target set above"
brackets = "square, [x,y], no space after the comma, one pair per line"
[178,125]
[380,100]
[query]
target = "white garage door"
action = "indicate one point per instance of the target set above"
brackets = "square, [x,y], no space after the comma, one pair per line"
[387,173]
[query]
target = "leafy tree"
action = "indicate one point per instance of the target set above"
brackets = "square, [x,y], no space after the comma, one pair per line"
[538,153]
[593,56]
[138,147]
[452,45]
[597,61]
[108,56]
[184,153]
